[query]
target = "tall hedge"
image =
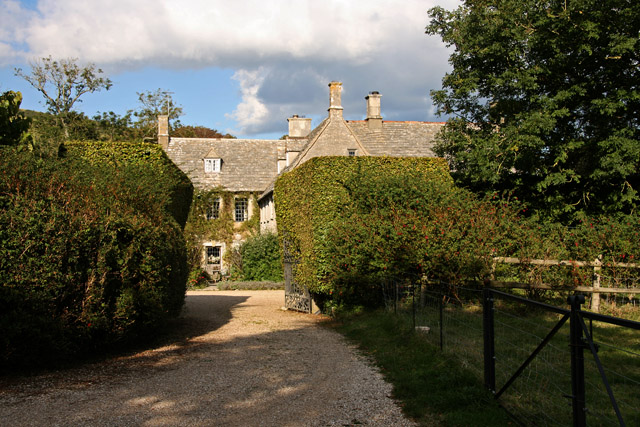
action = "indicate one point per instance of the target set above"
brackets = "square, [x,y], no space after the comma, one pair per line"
[142,167]
[310,198]
[356,223]
[90,255]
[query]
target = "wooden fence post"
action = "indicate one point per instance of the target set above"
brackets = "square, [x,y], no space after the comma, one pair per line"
[595,295]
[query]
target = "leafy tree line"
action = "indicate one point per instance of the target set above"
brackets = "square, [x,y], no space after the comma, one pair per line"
[63,83]
[544,102]
[14,125]
[360,228]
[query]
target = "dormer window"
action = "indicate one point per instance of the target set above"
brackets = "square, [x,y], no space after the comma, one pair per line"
[212,165]
[351,152]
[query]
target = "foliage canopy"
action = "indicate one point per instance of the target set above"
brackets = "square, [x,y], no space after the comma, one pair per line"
[313,199]
[355,224]
[545,102]
[63,82]
[14,125]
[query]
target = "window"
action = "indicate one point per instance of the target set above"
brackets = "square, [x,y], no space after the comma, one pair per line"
[352,152]
[241,209]
[212,165]
[213,257]
[213,212]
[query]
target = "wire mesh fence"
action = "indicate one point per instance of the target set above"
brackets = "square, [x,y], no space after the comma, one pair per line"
[451,318]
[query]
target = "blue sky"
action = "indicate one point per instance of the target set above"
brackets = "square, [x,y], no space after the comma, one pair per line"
[240,67]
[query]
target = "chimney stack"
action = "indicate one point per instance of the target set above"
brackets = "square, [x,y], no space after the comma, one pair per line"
[299,127]
[163,131]
[374,119]
[335,99]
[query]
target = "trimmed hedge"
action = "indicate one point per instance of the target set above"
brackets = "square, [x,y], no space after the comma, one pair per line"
[143,167]
[90,256]
[357,223]
[313,196]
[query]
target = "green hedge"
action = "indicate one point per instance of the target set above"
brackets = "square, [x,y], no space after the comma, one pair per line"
[356,223]
[261,258]
[313,196]
[143,167]
[89,256]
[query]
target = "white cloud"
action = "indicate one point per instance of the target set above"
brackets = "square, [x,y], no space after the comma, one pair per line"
[251,112]
[367,44]
[219,33]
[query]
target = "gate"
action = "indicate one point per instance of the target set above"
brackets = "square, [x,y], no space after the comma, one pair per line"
[581,342]
[296,296]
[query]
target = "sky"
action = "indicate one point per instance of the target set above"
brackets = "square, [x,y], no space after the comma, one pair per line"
[241,66]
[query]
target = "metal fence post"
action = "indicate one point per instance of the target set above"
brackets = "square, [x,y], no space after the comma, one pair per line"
[488,337]
[577,362]
[413,304]
[441,308]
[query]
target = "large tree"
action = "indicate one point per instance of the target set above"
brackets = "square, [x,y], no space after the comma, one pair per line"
[151,105]
[544,101]
[62,82]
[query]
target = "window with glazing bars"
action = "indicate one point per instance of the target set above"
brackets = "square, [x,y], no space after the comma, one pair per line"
[213,256]
[213,212]
[241,209]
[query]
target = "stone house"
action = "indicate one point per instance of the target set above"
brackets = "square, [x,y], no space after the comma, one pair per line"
[247,168]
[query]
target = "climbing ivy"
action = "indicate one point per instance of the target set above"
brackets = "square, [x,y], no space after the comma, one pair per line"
[200,229]
[313,196]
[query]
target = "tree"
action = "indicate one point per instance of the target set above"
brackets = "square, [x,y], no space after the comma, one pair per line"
[152,104]
[545,102]
[114,127]
[62,83]
[199,132]
[14,126]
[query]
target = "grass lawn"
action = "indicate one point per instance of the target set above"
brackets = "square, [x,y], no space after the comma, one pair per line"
[433,388]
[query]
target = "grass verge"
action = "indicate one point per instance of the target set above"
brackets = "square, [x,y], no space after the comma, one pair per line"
[433,389]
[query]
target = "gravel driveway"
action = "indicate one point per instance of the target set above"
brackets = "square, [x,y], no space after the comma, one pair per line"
[237,360]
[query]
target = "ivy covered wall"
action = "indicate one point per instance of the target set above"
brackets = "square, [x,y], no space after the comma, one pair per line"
[207,225]
[310,198]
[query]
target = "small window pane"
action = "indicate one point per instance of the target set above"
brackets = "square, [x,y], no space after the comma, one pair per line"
[241,210]
[213,257]
[213,212]
[352,152]
[212,165]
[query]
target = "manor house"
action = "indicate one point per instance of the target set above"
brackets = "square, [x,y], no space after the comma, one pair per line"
[248,168]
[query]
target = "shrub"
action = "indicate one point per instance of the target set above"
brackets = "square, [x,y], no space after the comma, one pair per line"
[154,182]
[406,227]
[82,266]
[261,258]
[198,279]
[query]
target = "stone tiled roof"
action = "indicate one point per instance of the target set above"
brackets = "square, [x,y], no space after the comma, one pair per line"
[247,164]
[394,138]
[397,139]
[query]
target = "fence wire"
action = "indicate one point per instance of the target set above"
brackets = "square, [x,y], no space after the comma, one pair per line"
[452,319]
